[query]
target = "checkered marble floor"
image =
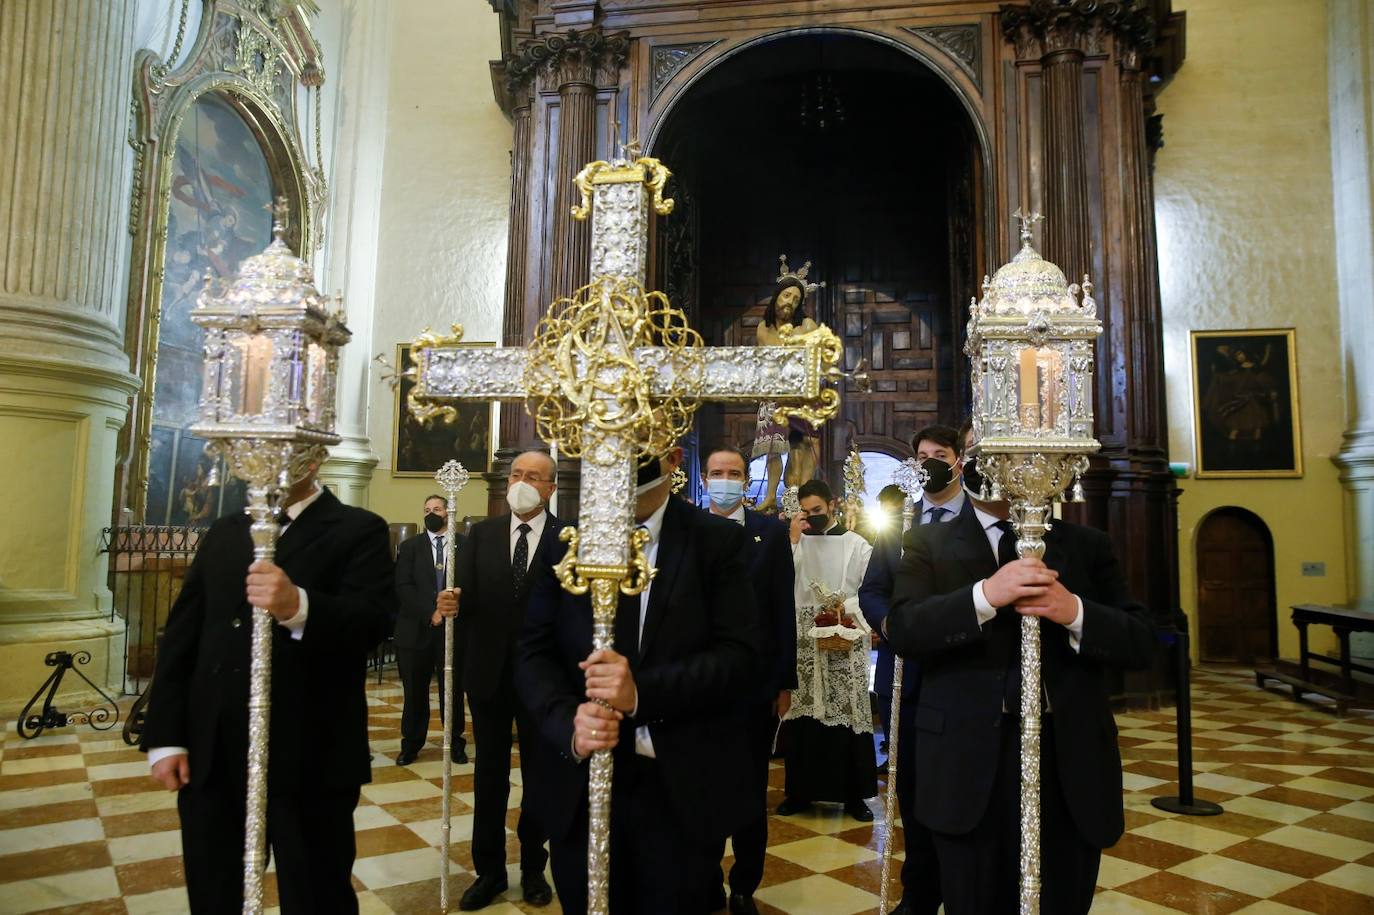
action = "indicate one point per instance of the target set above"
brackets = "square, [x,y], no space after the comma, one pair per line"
[83,829]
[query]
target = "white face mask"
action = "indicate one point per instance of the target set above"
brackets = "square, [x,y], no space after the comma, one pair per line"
[642,488]
[522,497]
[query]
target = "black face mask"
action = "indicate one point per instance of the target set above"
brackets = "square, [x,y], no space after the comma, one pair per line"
[434,523]
[650,469]
[973,480]
[940,473]
[817,524]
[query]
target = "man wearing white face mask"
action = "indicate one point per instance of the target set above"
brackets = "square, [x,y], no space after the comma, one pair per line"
[493,571]
[769,559]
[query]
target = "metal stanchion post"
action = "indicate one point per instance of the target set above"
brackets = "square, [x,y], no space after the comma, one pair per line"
[1184,802]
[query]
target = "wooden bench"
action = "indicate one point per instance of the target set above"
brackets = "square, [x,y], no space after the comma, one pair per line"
[1343,620]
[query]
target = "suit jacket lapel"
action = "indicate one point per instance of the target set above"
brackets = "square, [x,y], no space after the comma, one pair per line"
[672,544]
[970,545]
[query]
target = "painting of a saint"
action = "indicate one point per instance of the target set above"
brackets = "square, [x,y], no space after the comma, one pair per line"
[216,216]
[1245,392]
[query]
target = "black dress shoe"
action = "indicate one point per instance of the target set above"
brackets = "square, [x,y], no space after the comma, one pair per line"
[903,909]
[406,757]
[459,757]
[535,889]
[742,905]
[790,806]
[483,892]
[859,811]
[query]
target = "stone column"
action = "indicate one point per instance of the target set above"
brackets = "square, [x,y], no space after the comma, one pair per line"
[355,158]
[1351,100]
[65,68]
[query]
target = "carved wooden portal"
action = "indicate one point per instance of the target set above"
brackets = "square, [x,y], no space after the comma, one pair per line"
[1055,101]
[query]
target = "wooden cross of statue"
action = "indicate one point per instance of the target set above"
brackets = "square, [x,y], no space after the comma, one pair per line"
[613,375]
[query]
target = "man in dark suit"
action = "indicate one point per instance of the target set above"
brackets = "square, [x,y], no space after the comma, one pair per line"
[958,604]
[726,475]
[421,573]
[938,448]
[665,700]
[496,564]
[329,592]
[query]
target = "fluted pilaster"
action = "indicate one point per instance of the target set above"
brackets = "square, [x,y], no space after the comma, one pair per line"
[65,68]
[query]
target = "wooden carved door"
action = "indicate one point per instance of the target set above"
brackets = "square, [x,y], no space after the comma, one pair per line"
[1235,588]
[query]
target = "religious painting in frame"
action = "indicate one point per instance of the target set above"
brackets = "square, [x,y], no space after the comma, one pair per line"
[419,449]
[217,136]
[1245,403]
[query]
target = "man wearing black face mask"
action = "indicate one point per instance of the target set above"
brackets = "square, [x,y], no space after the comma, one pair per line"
[958,602]
[420,575]
[666,700]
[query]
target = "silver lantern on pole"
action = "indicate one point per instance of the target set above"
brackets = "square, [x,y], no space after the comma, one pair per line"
[1030,342]
[267,410]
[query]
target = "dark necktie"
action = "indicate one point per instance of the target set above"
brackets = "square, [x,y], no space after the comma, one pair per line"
[520,562]
[440,580]
[937,514]
[1006,547]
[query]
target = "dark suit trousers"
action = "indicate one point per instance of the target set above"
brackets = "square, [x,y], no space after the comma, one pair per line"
[656,866]
[921,869]
[491,728]
[980,872]
[418,668]
[751,840]
[310,834]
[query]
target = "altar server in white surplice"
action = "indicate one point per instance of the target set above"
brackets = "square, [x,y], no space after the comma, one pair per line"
[829,728]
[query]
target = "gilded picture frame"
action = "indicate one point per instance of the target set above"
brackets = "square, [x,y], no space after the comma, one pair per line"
[418,450]
[1246,418]
[246,61]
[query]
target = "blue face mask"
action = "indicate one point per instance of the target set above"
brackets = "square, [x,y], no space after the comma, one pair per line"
[725,493]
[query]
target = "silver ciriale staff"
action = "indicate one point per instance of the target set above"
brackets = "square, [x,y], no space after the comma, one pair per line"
[267,410]
[451,478]
[911,478]
[1030,342]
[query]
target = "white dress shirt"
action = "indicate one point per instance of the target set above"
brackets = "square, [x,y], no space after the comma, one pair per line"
[295,625]
[952,508]
[738,514]
[984,608]
[536,531]
[644,744]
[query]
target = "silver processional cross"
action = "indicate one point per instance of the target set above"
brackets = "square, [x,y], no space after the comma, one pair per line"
[612,375]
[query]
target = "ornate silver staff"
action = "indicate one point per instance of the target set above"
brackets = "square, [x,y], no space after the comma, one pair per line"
[451,477]
[911,478]
[1030,342]
[267,409]
[612,374]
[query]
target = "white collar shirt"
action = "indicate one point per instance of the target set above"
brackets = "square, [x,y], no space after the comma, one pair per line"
[644,744]
[536,530]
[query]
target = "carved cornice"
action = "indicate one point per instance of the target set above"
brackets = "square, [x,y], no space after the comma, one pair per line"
[667,59]
[1046,27]
[561,58]
[963,43]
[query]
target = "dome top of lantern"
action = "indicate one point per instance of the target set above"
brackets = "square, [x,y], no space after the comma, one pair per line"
[1028,284]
